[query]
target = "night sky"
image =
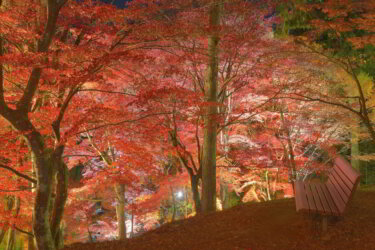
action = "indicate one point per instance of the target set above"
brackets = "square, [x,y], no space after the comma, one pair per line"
[119,3]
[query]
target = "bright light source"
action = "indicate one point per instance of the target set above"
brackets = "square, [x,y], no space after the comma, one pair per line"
[180,194]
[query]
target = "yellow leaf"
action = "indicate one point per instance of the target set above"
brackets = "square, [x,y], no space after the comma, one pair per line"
[366,82]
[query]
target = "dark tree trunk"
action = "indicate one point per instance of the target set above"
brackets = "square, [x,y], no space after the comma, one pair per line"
[194,182]
[41,215]
[2,234]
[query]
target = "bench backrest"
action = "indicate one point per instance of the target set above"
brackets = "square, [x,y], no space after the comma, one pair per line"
[342,182]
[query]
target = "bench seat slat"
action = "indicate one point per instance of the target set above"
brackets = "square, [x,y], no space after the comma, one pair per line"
[335,196]
[300,197]
[343,177]
[347,169]
[318,188]
[310,198]
[339,190]
[341,187]
[329,199]
[318,203]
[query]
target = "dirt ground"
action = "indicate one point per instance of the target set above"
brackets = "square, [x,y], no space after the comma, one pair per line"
[267,225]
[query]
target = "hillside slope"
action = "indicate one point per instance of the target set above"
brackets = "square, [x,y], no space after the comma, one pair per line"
[268,225]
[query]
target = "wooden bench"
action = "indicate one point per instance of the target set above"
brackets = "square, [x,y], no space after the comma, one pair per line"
[331,197]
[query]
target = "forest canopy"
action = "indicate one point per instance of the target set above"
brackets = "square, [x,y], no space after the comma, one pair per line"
[119,116]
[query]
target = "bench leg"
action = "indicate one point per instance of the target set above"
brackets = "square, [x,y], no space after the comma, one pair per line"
[324,224]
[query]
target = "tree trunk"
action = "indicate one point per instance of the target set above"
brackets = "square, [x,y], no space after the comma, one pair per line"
[369,126]
[110,158]
[41,215]
[194,182]
[2,234]
[292,163]
[210,124]
[62,177]
[173,205]
[267,185]
[30,243]
[224,195]
[224,133]
[363,114]
[132,230]
[10,239]
[59,240]
[186,202]
[354,150]
[120,211]
[12,233]
[46,161]
[48,212]
[354,140]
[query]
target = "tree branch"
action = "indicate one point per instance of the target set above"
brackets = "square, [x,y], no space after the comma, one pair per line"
[310,99]
[3,106]
[102,155]
[18,173]
[198,144]
[17,190]
[43,45]
[237,119]
[107,91]
[337,62]
[178,143]
[122,122]
[22,231]
[61,3]
[124,35]
[66,156]
[56,123]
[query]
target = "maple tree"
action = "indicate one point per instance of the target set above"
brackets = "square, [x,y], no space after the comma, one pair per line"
[340,34]
[47,57]
[126,167]
[191,115]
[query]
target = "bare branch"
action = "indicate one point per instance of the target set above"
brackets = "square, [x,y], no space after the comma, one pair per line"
[17,190]
[198,144]
[337,62]
[56,123]
[104,156]
[237,119]
[122,122]
[66,156]
[18,173]
[107,91]
[124,35]
[310,99]
[22,231]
